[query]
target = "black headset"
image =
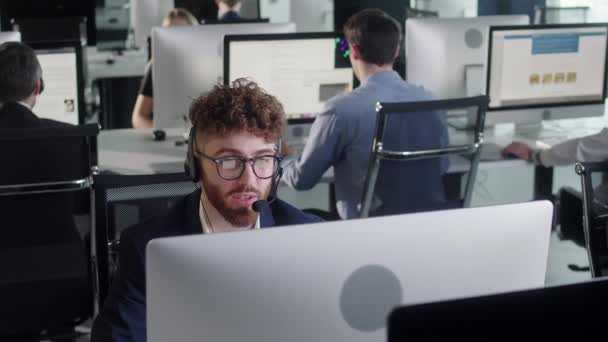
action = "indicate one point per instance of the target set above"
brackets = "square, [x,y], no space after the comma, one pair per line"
[193,169]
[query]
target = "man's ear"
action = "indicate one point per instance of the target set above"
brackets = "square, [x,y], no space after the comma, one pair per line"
[397,51]
[355,52]
[37,87]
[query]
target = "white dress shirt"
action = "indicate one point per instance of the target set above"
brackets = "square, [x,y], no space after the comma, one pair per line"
[592,148]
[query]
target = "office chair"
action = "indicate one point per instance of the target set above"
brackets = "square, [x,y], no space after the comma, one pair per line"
[382,153]
[122,201]
[594,183]
[47,282]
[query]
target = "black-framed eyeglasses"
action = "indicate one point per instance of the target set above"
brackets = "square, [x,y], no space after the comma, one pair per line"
[231,168]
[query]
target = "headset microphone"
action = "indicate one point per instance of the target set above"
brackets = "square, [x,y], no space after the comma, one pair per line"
[260,205]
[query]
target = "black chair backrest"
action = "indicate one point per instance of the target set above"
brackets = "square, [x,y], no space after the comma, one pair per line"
[400,127]
[594,183]
[46,282]
[122,201]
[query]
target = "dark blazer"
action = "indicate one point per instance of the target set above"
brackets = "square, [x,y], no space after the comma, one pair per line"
[230,17]
[123,317]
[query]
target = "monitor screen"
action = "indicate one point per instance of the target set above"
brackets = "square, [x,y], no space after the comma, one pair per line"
[546,66]
[560,313]
[302,70]
[50,9]
[61,98]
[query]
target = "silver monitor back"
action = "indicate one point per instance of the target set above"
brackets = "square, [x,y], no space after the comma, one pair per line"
[10,36]
[438,51]
[188,61]
[338,281]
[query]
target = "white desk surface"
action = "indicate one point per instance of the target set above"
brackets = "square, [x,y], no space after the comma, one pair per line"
[133,151]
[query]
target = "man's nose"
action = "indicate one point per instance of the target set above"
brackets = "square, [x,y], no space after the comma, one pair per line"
[248,176]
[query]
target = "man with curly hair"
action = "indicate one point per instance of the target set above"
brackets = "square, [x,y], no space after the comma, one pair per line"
[234,154]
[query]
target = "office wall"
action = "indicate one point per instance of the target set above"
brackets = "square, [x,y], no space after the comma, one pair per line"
[598,11]
[312,15]
[276,10]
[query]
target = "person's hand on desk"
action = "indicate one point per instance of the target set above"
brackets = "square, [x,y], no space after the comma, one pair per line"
[519,150]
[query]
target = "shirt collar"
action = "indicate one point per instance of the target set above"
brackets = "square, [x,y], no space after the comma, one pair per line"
[383,76]
[24,105]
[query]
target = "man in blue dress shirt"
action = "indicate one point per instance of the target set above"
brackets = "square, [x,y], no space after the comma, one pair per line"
[342,134]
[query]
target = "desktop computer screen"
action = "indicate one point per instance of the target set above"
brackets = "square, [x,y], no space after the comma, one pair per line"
[303,70]
[62,98]
[188,63]
[544,66]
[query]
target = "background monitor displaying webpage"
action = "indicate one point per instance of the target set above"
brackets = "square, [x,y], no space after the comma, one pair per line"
[61,99]
[546,66]
[303,70]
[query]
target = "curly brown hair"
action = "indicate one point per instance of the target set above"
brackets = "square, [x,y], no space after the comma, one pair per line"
[243,105]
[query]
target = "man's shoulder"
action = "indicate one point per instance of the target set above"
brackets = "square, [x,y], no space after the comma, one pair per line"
[285,214]
[174,223]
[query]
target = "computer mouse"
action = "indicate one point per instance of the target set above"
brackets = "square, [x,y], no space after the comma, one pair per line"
[159,135]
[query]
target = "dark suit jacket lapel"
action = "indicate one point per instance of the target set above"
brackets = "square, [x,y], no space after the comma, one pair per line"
[193,221]
[266,218]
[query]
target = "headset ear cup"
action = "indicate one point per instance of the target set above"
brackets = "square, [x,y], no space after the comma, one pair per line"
[275,185]
[191,165]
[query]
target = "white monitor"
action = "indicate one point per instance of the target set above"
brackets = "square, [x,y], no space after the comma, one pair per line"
[546,72]
[146,14]
[10,36]
[62,74]
[303,70]
[441,51]
[187,61]
[338,281]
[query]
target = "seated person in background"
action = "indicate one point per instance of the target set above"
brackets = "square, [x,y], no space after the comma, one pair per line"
[31,224]
[228,11]
[234,155]
[592,148]
[341,136]
[142,111]
[20,85]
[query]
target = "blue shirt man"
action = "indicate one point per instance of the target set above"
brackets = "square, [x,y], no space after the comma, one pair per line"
[342,134]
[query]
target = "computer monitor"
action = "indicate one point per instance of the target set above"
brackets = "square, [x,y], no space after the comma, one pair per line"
[10,36]
[145,15]
[536,73]
[338,281]
[303,70]
[50,9]
[62,74]
[440,52]
[188,62]
[561,313]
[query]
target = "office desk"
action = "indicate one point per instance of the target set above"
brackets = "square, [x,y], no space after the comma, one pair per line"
[130,151]
[133,151]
